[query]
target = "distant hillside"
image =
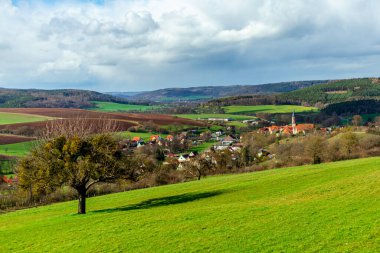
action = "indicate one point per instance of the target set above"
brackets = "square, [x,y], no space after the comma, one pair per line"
[123,94]
[52,98]
[209,92]
[335,92]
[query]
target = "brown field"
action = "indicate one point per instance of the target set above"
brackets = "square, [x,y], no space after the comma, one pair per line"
[6,157]
[37,126]
[131,118]
[10,139]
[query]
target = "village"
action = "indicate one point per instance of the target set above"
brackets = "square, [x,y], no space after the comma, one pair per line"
[185,146]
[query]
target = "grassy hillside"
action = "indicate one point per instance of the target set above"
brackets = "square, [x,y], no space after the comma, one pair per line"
[336,91]
[14,118]
[324,208]
[117,107]
[243,109]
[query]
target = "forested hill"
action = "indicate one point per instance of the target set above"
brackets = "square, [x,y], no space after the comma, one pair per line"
[330,92]
[335,92]
[52,98]
[209,92]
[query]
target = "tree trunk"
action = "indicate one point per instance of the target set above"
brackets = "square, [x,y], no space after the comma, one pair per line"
[81,201]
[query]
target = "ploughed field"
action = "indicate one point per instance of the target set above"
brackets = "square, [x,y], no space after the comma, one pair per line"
[330,207]
[36,119]
[9,139]
[132,118]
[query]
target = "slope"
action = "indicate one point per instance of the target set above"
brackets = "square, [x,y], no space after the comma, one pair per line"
[335,92]
[324,208]
[208,92]
[68,98]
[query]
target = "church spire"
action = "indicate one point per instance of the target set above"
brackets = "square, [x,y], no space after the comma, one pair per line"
[294,125]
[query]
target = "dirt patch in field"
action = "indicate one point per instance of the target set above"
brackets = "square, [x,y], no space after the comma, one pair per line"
[158,119]
[10,139]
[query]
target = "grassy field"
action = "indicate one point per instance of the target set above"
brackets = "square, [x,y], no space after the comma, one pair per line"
[116,107]
[323,208]
[211,115]
[16,149]
[14,118]
[145,136]
[202,147]
[242,109]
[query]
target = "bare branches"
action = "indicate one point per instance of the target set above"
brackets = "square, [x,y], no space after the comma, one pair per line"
[79,127]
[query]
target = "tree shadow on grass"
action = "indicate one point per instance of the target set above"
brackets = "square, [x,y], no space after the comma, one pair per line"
[165,201]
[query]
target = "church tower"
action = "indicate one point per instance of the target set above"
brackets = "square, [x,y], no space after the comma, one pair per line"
[294,125]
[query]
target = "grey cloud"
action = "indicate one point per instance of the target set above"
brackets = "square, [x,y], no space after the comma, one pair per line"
[124,44]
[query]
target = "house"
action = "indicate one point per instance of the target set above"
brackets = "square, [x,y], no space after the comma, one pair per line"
[263,153]
[292,129]
[169,138]
[183,158]
[229,140]
[219,133]
[220,119]
[251,121]
[193,154]
[154,138]
[220,147]
[304,128]
[137,139]
[6,180]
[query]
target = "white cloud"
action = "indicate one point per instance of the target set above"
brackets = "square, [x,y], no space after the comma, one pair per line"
[146,44]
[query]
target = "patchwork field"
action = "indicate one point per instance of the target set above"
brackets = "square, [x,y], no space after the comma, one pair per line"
[14,118]
[116,107]
[218,116]
[132,118]
[329,207]
[253,109]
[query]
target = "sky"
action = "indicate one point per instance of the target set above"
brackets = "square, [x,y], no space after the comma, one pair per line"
[138,45]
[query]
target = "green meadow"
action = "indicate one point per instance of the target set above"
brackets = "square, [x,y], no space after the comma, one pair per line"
[17,149]
[116,107]
[316,208]
[14,118]
[212,115]
[253,109]
[144,136]
[202,147]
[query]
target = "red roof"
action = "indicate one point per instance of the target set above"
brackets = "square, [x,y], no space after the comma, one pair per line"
[303,127]
[5,179]
[136,138]
[154,137]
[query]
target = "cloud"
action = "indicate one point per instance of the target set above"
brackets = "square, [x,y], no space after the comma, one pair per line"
[149,44]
